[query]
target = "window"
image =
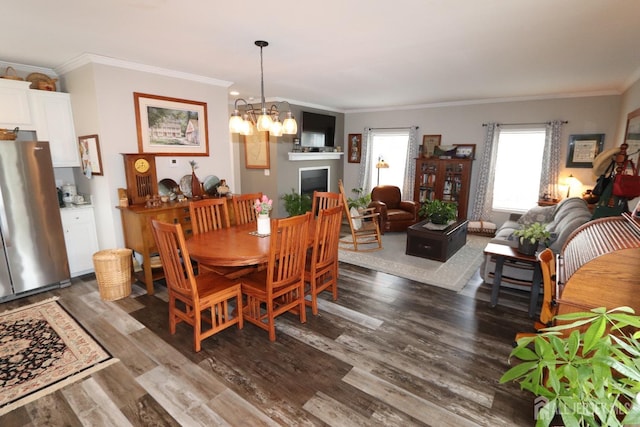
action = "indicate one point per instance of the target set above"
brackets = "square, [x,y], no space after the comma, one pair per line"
[392,147]
[518,168]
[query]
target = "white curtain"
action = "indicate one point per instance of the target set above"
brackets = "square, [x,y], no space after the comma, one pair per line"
[551,159]
[482,204]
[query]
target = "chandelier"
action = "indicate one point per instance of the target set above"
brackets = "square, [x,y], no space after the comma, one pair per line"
[263,119]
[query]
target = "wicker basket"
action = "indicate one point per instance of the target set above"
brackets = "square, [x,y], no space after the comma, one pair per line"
[113,273]
[8,135]
[10,73]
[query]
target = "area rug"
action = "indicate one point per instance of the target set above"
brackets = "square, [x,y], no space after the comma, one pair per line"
[42,349]
[453,274]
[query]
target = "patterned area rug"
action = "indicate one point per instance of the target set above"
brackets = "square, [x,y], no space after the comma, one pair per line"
[42,349]
[453,274]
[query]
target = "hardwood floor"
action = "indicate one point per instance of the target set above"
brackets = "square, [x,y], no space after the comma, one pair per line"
[389,352]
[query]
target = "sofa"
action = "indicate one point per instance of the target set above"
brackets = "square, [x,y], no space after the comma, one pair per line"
[561,219]
[395,214]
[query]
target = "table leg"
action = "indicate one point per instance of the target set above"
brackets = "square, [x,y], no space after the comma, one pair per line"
[148,272]
[535,289]
[497,278]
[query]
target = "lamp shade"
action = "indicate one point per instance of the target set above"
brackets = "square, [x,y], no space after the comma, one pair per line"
[382,164]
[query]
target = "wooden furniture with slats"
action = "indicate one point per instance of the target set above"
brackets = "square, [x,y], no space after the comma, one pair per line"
[599,266]
[136,226]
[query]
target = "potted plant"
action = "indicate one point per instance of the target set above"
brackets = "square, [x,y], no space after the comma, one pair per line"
[587,369]
[530,237]
[361,201]
[438,212]
[295,203]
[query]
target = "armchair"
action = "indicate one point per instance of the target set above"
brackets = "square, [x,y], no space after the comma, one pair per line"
[395,214]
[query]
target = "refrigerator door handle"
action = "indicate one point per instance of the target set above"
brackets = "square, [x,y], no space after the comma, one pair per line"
[4,225]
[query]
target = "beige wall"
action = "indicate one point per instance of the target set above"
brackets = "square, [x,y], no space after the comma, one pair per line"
[462,124]
[102,100]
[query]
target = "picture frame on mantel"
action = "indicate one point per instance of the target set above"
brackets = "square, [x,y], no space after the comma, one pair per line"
[171,126]
[256,150]
[355,147]
[429,143]
[583,149]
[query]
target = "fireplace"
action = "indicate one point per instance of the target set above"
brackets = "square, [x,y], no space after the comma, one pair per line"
[313,179]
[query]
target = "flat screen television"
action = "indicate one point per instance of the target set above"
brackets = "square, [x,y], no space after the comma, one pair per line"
[318,130]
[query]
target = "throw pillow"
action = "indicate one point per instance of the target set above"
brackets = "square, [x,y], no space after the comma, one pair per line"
[541,214]
[357,223]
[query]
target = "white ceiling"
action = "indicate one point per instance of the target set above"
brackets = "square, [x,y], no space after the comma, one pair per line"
[348,55]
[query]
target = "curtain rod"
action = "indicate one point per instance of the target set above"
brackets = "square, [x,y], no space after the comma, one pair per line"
[405,127]
[564,122]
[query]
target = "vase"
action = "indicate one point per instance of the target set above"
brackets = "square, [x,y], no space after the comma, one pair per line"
[525,247]
[196,187]
[264,225]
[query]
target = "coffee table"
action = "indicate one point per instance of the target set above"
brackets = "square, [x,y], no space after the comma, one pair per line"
[438,245]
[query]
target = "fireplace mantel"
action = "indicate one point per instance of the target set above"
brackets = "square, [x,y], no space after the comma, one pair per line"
[299,156]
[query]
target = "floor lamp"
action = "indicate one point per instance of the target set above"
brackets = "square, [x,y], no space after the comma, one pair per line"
[381,165]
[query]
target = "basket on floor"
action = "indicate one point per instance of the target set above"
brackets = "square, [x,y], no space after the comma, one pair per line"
[113,273]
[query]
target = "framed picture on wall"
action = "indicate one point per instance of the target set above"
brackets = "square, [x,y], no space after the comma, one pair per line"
[256,150]
[171,126]
[429,143]
[583,149]
[355,147]
[90,155]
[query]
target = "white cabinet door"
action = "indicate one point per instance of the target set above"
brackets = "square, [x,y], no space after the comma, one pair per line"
[15,109]
[54,123]
[80,238]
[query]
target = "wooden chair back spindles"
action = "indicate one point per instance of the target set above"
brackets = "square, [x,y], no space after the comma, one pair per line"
[208,293]
[280,287]
[324,200]
[243,209]
[321,272]
[209,214]
[365,227]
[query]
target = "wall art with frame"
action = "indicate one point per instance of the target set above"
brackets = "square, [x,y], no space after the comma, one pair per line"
[171,126]
[90,158]
[583,149]
[256,150]
[429,143]
[355,147]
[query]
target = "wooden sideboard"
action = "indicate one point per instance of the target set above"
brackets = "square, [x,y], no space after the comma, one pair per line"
[136,225]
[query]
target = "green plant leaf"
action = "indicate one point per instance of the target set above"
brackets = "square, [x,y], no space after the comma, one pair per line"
[593,334]
[518,371]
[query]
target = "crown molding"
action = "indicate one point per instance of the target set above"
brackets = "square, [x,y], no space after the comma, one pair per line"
[89,58]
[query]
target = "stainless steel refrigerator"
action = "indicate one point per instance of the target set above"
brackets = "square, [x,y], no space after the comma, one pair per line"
[33,257]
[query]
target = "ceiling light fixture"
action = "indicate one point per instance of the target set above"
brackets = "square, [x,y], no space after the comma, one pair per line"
[242,122]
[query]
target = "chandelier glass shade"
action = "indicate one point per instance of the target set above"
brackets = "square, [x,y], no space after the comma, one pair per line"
[263,119]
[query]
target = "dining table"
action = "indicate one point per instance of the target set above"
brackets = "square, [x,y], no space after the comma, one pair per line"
[236,246]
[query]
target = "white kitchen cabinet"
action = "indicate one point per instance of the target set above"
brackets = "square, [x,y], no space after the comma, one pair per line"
[53,121]
[80,238]
[15,108]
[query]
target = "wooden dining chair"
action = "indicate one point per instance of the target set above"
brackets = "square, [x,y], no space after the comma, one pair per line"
[203,298]
[280,287]
[210,215]
[243,210]
[321,267]
[549,309]
[324,200]
[365,228]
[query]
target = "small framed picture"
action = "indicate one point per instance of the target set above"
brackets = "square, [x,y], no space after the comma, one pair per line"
[429,143]
[355,147]
[583,149]
[90,155]
[465,151]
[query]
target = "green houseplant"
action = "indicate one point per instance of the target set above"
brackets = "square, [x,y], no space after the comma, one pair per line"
[587,369]
[361,201]
[438,212]
[530,237]
[295,203]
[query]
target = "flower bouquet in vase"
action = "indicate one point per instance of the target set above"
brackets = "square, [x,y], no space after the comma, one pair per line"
[263,207]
